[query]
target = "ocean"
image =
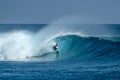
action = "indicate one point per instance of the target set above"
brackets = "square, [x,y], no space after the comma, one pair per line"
[27,53]
[58,71]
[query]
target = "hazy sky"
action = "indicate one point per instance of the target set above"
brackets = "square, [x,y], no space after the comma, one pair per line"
[45,11]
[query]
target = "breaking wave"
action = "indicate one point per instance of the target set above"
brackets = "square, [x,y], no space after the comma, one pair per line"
[73,46]
[22,46]
[85,48]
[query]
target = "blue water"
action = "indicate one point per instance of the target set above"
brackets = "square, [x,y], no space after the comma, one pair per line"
[80,57]
[58,71]
[93,59]
[87,48]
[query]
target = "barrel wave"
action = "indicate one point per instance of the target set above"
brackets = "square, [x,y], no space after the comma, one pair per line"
[71,47]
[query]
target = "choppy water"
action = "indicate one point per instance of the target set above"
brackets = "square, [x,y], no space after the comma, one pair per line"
[58,71]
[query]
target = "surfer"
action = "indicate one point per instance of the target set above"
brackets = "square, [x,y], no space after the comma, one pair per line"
[55,49]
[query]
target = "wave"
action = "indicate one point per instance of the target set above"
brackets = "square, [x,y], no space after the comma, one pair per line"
[82,48]
[21,46]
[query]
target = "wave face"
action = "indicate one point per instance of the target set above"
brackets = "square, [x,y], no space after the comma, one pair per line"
[86,48]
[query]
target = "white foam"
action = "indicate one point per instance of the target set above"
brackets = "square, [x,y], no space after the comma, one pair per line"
[15,45]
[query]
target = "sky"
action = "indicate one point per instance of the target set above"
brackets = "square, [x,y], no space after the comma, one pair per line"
[45,11]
